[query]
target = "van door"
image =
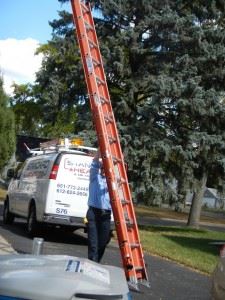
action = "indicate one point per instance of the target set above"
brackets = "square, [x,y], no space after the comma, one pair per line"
[13,189]
[68,193]
[23,192]
[30,186]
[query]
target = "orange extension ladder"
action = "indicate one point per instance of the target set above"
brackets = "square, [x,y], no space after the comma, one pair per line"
[108,139]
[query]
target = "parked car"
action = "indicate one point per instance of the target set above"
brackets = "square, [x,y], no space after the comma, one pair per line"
[50,188]
[59,277]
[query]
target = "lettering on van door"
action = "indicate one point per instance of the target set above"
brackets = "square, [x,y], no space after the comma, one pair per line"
[61,211]
[71,189]
[79,169]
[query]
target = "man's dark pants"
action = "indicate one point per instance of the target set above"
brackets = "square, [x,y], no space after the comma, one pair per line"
[98,229]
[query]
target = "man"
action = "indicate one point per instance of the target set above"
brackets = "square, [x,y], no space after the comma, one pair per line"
[99,211]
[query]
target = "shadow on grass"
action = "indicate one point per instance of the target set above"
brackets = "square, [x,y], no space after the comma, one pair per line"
[194,243]
[189,238]
[182,229]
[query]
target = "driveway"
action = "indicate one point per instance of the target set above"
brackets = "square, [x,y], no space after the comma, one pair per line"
[169,281]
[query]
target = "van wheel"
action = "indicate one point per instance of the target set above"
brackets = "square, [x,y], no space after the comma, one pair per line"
[8,217]
[32,224]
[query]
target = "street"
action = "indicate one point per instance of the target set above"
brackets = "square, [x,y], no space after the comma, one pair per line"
[169,281]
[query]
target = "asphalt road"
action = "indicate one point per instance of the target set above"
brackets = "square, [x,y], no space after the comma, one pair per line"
[168,280]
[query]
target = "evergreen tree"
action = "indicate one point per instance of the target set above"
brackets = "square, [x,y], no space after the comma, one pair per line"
[7,130]
[164,63]
[165,66]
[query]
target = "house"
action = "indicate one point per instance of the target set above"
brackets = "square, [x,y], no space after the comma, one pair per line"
[210,199]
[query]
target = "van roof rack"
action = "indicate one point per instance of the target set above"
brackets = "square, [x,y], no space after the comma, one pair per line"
[74,145]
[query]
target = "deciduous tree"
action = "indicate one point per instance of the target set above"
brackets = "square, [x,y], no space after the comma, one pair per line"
[7,129]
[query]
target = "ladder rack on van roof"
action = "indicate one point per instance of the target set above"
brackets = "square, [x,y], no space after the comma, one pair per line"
[59,145]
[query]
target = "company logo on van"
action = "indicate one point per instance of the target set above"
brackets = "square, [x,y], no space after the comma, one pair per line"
[74,164]
[79,169]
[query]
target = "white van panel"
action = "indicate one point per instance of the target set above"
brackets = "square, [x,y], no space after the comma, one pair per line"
[68,194]
[33,184]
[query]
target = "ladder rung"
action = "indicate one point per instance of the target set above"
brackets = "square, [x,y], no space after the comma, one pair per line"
[123,201]
[112,139]
[88,26]
[84,8]
[92,44]
[108,119]
[99,81]
[121,181]
[96,62]
[135,245]
[116,160]
[104,100]
[129,223]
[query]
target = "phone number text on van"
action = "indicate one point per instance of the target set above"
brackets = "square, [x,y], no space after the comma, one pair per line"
[71,189]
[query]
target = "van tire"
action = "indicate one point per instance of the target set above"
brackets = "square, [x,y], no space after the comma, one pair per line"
[8,217]
[32,224]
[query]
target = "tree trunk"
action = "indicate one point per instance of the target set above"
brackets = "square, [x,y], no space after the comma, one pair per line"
[195,212]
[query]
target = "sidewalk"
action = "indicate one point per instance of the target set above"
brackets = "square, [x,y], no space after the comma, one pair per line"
[5,247]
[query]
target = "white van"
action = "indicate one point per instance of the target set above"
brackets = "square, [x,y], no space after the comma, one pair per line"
[50,188]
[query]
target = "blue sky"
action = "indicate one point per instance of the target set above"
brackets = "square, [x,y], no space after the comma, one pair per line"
[21,19]
[23,27]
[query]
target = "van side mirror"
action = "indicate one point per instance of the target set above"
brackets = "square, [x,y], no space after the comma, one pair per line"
[10,173]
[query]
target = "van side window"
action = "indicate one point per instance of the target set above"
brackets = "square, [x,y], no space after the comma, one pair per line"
[19,170]
[36,168]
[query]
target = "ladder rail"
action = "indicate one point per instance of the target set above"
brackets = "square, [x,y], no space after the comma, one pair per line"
[108,138]
[94,95]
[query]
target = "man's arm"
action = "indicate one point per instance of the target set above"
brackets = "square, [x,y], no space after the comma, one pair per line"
[95,166]
[97,155]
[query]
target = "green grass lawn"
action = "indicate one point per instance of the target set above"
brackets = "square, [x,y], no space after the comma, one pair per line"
[184,245]
[189,247]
